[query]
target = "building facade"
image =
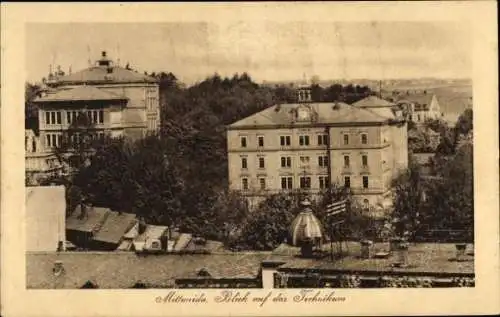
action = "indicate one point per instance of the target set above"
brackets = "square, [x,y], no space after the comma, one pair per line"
[39,164]
[116,101]
[311,145]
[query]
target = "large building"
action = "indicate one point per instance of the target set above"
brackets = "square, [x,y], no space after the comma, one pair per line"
[117,101]
[310,145]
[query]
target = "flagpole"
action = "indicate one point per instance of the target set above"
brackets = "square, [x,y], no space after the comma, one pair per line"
[335,209]
[331,240]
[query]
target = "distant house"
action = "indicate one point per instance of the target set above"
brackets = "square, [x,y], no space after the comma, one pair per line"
[421,107]
[45,218]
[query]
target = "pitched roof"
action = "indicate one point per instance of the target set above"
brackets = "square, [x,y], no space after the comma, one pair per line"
[182,242]
[152,232]
[114,270]
[373,102]
[45,216]
[80,93]
[99,74]
[133,232]
[94,218]
[115,227]
[422,99]
[323,113]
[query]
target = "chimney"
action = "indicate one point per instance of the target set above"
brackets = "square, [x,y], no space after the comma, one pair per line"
[173,231]
[142,226]
[103,53]
[83,210]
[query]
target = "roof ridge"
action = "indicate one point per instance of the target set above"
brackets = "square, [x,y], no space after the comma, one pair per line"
[361,110]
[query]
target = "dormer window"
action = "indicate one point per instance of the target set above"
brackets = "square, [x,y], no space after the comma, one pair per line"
[304,114]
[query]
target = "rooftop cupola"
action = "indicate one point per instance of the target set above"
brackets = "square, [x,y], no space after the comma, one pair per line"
[104,61]
[304,94]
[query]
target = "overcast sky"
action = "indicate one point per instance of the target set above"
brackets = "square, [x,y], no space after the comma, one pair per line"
[267,51]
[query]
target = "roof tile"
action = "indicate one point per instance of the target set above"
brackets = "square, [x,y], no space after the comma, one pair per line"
[80,93]
[99,74]
[324,113]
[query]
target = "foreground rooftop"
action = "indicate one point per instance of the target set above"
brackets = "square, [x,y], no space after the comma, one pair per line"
[124,269]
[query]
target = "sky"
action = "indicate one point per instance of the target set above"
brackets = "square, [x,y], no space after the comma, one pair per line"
[268,51]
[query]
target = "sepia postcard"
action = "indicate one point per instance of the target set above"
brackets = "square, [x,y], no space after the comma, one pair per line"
[213,159]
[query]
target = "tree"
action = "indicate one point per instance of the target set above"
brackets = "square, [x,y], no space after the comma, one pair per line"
[465,122]
[133,177]
[333,93]
[418,141]
[268,226]
[228,212]
[409,202]
[447,143]
[317,93]
[31,91]
[437,125]
[452,197]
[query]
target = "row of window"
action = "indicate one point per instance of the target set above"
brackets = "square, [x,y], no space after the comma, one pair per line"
[55,139]
[286,161]
[304,140]
[55,117]
[304,182]
[93,116]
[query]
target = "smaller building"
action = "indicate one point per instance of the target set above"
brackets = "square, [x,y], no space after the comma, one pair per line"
[84,223]
[421,107]
[96,228]
[111,233]
[45,218]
